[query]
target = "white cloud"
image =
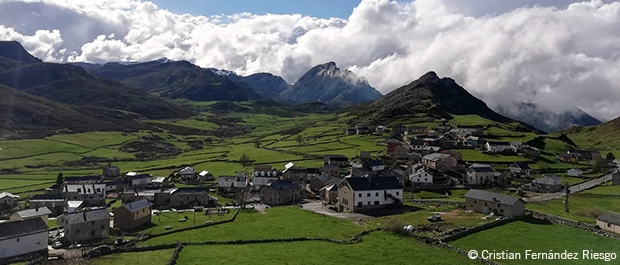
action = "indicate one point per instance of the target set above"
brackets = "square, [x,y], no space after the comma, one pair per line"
[560,54]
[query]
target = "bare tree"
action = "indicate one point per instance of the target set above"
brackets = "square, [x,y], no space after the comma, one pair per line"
[242,196]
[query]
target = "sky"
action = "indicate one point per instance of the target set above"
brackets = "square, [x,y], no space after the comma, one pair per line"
[558,54]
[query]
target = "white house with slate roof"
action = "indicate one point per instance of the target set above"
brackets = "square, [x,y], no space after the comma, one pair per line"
[8,200]
[359,194]
[22,237]
[41,212]
[85,226]
[479,174]
[489,202]
[609,221]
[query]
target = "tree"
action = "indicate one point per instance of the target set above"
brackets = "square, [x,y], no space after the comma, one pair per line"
[610,156]
[299,138]
[242,196]
[244,160]
[256,143]
[59,178]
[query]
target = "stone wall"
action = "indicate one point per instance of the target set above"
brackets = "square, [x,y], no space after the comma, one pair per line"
[471,230]
[436,202]
[554,219]
[175,255]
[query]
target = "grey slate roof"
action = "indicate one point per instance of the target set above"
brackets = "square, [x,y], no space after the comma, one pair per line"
[87,216]
[137,205]
[20,228]
[374,183]
[548,180]
[50,197]
[82,178]
[191,190]
[33,212]
[6,194]
[282,185]
[435,157]
[521,165]
[491,197]
[610,217]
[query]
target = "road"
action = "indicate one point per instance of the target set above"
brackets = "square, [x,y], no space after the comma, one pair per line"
[573,189]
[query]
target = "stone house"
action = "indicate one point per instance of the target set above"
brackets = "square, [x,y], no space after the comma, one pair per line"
[114,185]
[91,194]
[134,179]
[480,174]
[422,176]
[520,169]
[111,172]
[497,147]
[361,194]
[374,165]
[54,202]
[205,176]
[400,152]
[331,170]
[187,173]
[186,198]
[41,212]
[54,189]
[280,192]
[489,202]
[609,221]
[440,162]
[24,237]
[573,172]
[262,177]
[549,183]
[337,160]
[232,183]
[8,200]
[329,193]
[133,215]
[85,226]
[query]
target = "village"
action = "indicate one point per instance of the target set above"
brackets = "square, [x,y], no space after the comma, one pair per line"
[91,210]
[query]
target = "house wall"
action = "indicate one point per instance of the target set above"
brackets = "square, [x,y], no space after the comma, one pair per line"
[422,177]
[141,182]
[478,178]
[346,198]
[574,173]
[271,196]
[16,246]
[183,200]
[8,201]
[125,219]
[85,231]
[487,207]
[331,197]
[111,172]
[262,181]
[608,226]
[370,199]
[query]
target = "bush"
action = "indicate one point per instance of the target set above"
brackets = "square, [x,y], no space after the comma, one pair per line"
[396,226]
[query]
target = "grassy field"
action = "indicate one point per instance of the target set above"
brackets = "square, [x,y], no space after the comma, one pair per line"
[278,222]
[474,155]
[157,257]
[537,236]
[582,208]
[93,139]
[172,219]
[605,189]
[376,248]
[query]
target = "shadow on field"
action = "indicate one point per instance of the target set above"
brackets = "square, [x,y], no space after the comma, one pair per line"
[534,221]
[391,211]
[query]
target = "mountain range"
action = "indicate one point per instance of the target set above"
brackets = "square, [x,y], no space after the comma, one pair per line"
[547,120]
[119,96]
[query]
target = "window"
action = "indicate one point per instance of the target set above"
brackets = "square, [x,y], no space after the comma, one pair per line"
[359,195]
[39,243]
[376,202]
[18,239]
[608,225]
[98,190]
[377,194]
[92,232]
[368,194]
[102,227]
[425,179]
[77,231]
[485,204]
[360,204]
[499,205]
[368,202]
[397,193]
[79,190]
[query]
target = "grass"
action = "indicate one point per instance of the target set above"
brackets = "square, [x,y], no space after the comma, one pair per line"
[582,208]
[93,139]
[278,222]
[21,148]
[157,257]
[172,219]
[537,236]
[376,248]
[605,189]
[474,155]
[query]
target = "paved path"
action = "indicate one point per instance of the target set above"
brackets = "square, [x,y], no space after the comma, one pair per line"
[317,207]
[573,189]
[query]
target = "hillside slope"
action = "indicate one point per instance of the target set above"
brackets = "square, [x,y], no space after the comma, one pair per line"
[176,80]
[600,136]
[428,96]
